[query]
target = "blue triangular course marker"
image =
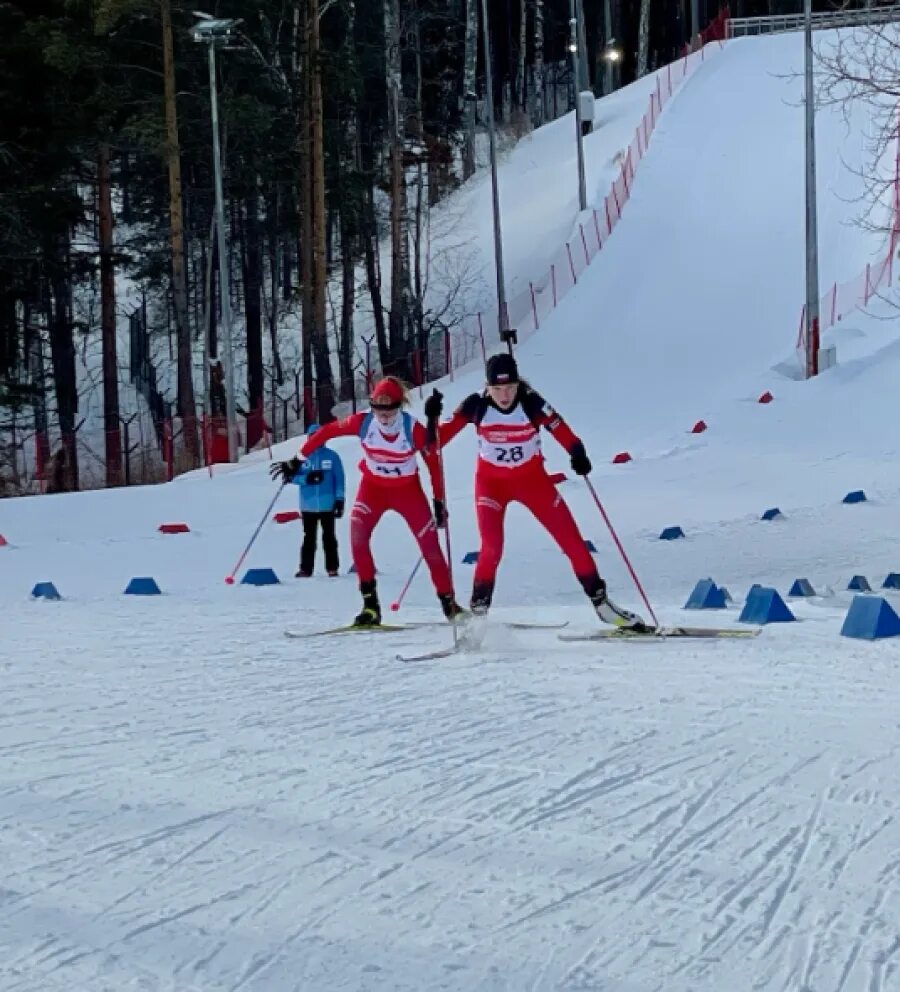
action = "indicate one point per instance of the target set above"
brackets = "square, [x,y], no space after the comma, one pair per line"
[857,496]
[764,605]
[470,557]
[801,587]
[45,590]
[706,596]
[671,534]
[859,583]
[869,618]
[773,514]
[142,586]
[259,577]
[892,581]
[590,546]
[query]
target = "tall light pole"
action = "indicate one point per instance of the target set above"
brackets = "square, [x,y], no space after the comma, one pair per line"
[495,190]
[812,246]
[575,50]
[216,33]
[608,40]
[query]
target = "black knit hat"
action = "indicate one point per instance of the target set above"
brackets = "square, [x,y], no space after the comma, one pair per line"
[502,370]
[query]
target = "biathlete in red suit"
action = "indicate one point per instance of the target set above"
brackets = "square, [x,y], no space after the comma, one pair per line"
[508,417]
[391,438]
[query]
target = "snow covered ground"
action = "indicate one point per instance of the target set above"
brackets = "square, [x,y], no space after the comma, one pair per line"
[189,801]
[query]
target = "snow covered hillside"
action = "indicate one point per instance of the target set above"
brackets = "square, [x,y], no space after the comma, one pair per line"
[190,801]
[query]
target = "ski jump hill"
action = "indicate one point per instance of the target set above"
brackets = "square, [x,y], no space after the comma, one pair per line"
[190,801]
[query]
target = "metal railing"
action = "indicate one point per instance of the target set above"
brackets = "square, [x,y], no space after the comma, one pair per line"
[739,27]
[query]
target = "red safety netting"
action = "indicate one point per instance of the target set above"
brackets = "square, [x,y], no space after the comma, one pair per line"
[842,299]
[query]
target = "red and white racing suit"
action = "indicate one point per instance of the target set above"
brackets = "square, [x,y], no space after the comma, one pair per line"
[390,481]
[510,469]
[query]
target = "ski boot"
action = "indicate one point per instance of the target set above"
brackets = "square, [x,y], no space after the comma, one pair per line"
[609,613]
[452,610]
[302,574]
[482,594]
[333,573]
[370,615]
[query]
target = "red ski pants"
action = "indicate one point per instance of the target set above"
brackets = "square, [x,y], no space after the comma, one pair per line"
[373,499]
[534,490]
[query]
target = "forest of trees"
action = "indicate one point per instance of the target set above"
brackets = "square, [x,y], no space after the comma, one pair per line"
[343,123]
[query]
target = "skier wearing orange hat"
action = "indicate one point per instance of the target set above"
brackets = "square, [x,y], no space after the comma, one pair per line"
[391,438]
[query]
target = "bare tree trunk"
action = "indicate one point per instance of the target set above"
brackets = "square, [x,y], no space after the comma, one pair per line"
[304,204]
[273,209]
[62,357]
[521,96]
[348,302]
[643,38]
[373,276]
[537,96]
[252,264]
[186,403]
[400,288]
[349,213]
[113,444]
[324,378]
[422,176]
[470,67]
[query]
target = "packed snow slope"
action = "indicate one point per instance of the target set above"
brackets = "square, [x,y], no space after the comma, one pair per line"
[189,801]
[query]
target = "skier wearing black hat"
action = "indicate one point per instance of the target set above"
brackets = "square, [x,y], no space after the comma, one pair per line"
[508,416]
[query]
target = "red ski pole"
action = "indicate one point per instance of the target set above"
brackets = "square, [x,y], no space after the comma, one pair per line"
[396,604]
[618,543]
[229,579]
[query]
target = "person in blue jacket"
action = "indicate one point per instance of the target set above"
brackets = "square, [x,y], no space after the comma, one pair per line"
[320,478]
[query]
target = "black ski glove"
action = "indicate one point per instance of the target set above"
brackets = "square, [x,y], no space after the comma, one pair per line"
[434,406]
[440,513]
[285,470]
[581,464]
[338,509]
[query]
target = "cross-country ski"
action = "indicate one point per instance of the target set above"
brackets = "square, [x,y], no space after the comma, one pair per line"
[662,633]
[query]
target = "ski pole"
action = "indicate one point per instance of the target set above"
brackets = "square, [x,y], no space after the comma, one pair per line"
[434,431]
[625,558]
[396,605]
[229,579]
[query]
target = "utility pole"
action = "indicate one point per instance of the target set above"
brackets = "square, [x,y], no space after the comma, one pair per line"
[812,239]
[216,32]
[503,313]
[575,50]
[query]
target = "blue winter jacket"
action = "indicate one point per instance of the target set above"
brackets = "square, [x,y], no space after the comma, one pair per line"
[320,479]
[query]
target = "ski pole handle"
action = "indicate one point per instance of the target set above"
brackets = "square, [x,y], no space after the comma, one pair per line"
[229,579]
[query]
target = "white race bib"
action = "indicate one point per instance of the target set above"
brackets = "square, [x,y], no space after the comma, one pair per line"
[508,440]
[387,451]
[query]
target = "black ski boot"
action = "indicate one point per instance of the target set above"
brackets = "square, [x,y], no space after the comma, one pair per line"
[607,610]
[482,594]
[370,615]
[452,610]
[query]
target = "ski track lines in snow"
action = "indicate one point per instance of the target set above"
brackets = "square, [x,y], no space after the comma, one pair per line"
[218,820]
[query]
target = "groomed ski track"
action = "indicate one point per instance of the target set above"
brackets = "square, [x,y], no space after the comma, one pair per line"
[535,818]
[190,802]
